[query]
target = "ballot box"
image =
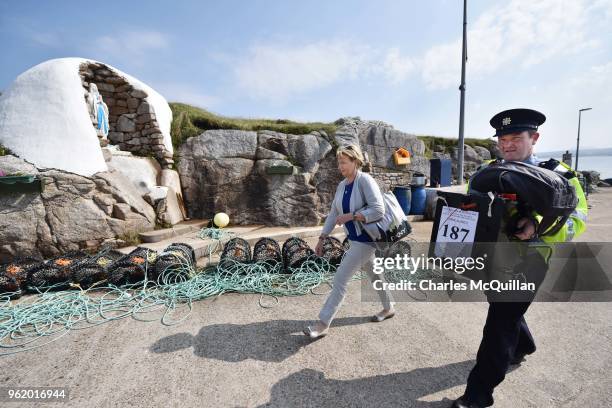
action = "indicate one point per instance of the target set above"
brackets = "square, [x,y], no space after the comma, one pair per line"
[467,226]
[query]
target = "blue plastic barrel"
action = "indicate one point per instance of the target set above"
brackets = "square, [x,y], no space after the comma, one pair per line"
[403,197]
[418,200]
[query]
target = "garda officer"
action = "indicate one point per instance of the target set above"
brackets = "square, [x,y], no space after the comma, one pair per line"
[506,338]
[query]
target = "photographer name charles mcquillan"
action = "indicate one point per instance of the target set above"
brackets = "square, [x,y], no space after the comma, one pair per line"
[459,265]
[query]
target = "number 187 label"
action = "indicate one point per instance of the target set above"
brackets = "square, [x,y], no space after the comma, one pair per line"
[457,225]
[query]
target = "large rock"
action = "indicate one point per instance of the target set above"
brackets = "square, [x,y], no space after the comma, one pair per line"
[71,213]
[228,171]
[379,141]
[469,154]
[143,172]
[305,151]
[592,176]
[483,152]
[171,179]
[220,144]
[471,160]
[326,180]
[172,213]
[23,226]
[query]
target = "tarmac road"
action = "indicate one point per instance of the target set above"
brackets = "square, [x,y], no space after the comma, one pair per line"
[232,353]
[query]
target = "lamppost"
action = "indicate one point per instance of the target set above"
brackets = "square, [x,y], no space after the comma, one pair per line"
[578,139]
[460,142]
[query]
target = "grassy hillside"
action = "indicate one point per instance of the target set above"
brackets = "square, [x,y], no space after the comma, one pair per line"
[191,121]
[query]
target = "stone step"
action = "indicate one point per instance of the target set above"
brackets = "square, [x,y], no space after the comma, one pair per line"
[181,228]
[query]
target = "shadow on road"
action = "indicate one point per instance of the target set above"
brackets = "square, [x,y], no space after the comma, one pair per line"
[310,388]
[272,341]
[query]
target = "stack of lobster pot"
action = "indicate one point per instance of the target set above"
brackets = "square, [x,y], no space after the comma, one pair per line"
[14,275]
[56,273]
[94,270]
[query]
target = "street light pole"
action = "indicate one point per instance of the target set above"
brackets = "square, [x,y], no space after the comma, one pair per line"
[578,138]
[462,100]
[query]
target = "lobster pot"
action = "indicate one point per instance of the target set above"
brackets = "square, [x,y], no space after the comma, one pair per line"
[184,251]
[8,284]
[19,268]
[126,274]
[46,275]
[267,250]
[69,260]
[95,269]
[132,267]
[56,272]
[176,258]
[88,273]
[235,252]
[106,259]
[295,252]
[333,250]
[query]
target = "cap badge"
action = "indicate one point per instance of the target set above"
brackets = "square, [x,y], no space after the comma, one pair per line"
[506,121]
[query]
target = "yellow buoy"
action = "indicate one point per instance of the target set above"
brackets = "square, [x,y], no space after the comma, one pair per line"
[221,219]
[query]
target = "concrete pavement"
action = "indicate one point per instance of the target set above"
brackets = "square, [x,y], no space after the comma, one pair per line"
[231,352]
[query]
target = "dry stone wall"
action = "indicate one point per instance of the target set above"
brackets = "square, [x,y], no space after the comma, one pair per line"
[132,122]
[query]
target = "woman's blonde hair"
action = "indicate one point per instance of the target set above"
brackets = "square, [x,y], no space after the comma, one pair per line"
[353,152]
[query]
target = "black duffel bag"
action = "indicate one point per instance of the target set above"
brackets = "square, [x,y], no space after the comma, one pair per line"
[544,191]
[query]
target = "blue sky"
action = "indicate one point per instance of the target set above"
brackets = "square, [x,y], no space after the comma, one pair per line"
[396,61]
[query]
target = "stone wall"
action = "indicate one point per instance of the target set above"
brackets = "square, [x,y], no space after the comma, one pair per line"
[388,180]
[132,121]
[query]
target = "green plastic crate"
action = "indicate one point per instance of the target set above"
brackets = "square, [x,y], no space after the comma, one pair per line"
[21,184]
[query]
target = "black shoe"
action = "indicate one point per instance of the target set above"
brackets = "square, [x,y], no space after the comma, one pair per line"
[518,359]
[462,403]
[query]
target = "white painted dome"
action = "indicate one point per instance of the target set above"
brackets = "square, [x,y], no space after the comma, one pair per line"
[44,117]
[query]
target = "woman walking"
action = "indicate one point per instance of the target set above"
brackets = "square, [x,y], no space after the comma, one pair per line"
[358,205]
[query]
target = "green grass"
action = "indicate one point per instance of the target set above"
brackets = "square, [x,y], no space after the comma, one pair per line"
[449,144]
[131,238]
[191,121]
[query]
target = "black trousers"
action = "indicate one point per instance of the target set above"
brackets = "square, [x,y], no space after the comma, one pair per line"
[505,336]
